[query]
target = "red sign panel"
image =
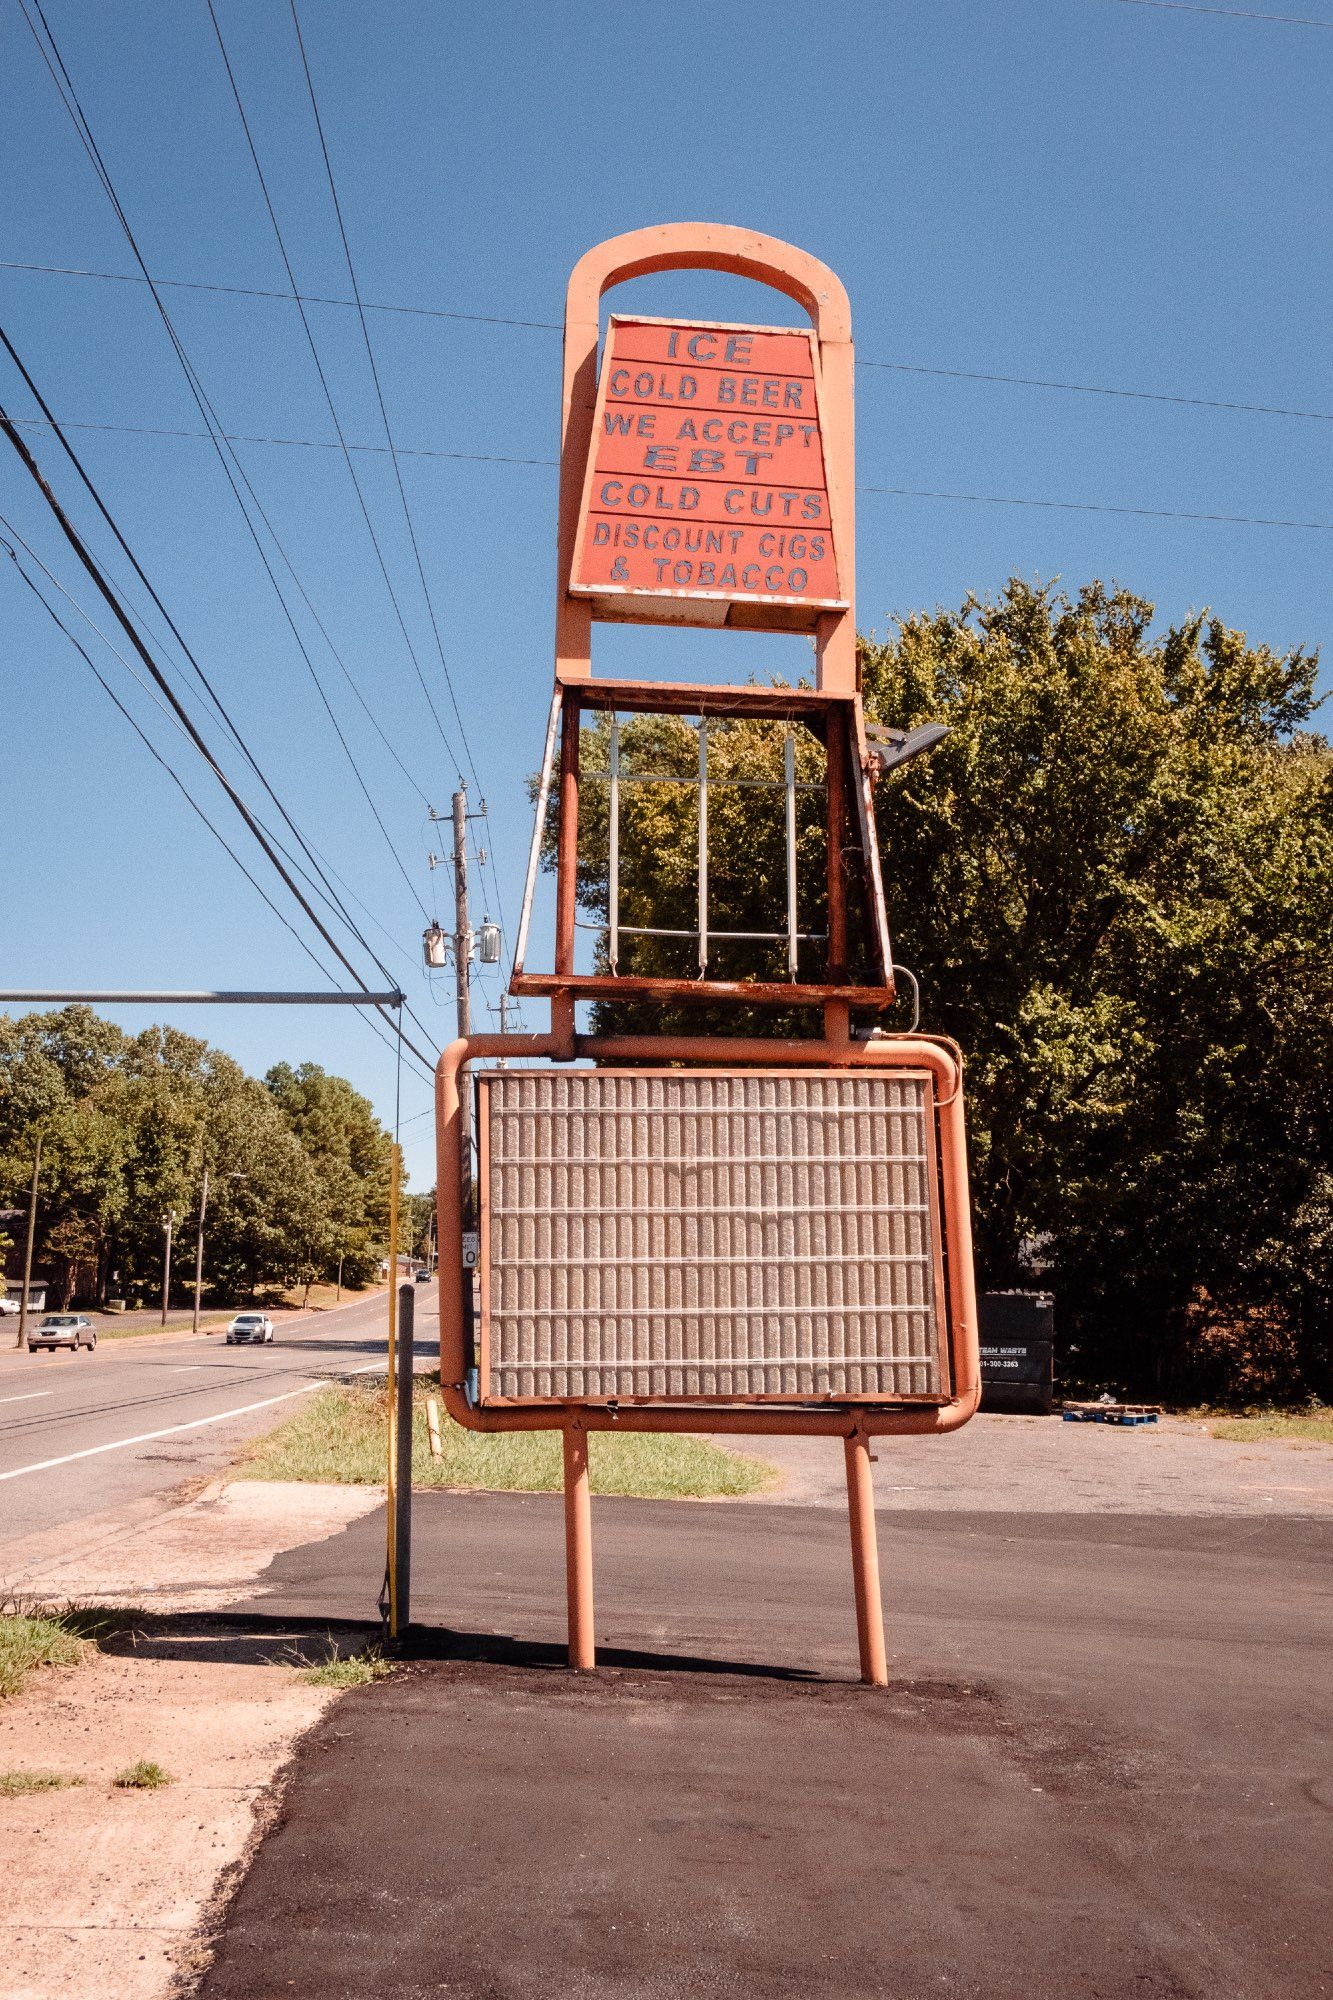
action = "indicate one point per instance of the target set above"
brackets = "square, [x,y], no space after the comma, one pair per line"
[707,485]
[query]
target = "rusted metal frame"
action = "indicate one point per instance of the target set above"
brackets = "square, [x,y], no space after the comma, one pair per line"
[933,1196]
[567,851]
[703,847]
[613,848]
[881,950]
[747,937]
[835,778]
[620,1412]
[789,807]
[865,1560]
[479,1353]
[931,1208]
[833,1419]
[776,704]
[578,1549]
[539,824]
[752,993]
[716,783]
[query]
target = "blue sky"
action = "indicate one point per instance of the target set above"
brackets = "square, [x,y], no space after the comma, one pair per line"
[1087,191]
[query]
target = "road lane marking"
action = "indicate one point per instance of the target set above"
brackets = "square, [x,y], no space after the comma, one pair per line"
[148,1437]
[171,1431]
[196,1423]
[31,1396]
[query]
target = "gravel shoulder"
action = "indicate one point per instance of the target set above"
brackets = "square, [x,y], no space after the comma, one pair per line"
[112,1892]
[109,1892]
[1040,1465]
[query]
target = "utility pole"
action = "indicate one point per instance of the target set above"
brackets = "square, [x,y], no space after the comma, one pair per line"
[27,1254]
[462,929]
[168,1225]
[504,1027]
[463,968]
[199,1249]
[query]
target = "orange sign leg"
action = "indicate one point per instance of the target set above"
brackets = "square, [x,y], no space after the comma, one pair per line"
[865,1561]
[578,1550]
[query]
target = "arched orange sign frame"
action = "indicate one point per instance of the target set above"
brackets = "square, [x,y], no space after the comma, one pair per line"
[682,246]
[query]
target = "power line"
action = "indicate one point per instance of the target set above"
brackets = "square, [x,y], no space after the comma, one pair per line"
[384,417]
[862,361]
[306,444]
[1098,507]
[152,748]
[323,887]
[200,674]
[122,617]
[323,380]
[1095,389]
[69,98]
[900,492]
[317,886]
[260,292]
[179,782]
[1233,13]
[379,392]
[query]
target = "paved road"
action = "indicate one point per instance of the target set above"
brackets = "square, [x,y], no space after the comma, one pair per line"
[1105,1767]
[84,1434]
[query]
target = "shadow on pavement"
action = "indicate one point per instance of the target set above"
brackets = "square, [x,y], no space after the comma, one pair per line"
[252,1638]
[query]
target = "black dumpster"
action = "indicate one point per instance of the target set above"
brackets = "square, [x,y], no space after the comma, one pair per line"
[1017,1330]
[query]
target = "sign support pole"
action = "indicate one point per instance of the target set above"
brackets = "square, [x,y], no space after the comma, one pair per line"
[391,1382]
[865,1561]
[401,1517]
[578,1550]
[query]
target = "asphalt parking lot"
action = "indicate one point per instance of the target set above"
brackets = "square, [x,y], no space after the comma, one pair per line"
[1103,1767]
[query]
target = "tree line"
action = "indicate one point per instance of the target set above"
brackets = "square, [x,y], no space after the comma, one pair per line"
[298,1165]
[1114,880]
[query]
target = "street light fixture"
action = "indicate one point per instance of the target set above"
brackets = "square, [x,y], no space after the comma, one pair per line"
[891,748]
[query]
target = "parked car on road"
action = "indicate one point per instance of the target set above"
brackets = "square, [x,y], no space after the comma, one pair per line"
[249,1327]
[72,1330]
[423,1277]
[9,1307]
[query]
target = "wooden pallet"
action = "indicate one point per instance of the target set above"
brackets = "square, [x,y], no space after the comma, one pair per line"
[1110,1413]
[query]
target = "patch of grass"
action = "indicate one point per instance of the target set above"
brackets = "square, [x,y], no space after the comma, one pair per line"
[1295,1426]
[110,1327]
[324,1296]
[14,1784]
[354,1670]
[32,1640]
[339,1434]
[145,1776]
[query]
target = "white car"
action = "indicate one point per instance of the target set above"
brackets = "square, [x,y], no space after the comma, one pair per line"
[249,1327]
[9,1307]
[72,1330]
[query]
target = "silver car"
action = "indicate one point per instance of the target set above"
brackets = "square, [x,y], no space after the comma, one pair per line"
[72,1330]
[249,1326]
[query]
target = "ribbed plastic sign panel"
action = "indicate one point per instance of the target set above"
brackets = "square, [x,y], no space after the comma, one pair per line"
[688,1234]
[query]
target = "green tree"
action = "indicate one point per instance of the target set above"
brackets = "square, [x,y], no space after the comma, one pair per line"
[352,1156]
[1115,880]
[298,1170]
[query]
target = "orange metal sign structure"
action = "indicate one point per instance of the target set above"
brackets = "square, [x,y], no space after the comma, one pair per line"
[707,496]
[775,355]
[652,1252]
